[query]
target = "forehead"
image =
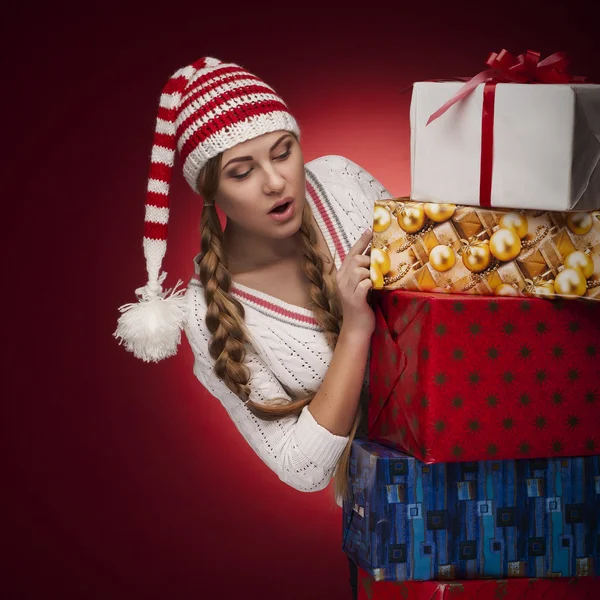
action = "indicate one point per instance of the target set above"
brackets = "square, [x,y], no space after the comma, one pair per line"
[257,145]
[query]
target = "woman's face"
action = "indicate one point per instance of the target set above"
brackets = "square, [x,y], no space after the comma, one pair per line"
[258,174]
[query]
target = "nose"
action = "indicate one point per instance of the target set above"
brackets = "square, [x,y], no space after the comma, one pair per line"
[274,182]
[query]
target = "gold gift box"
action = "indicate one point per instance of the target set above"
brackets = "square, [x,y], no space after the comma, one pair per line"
[447,248]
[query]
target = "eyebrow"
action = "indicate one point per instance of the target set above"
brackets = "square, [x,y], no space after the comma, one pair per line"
[244,158]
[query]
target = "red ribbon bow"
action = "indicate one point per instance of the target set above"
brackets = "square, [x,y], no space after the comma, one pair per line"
[525,68]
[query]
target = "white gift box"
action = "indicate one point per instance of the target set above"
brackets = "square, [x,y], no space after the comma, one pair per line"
[546,146]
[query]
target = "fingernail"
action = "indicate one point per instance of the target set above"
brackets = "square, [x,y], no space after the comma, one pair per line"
[367,232]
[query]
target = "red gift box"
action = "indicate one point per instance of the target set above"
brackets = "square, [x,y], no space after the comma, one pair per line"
[465,378]
[557,588]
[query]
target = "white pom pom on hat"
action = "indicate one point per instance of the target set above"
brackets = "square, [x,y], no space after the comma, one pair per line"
[205,108]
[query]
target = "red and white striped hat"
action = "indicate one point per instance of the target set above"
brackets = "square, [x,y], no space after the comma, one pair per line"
[205,108]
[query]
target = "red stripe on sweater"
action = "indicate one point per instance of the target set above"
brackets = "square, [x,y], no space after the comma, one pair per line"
[326,219]
[273,307]
[270,305]
[155,231]
[231,117]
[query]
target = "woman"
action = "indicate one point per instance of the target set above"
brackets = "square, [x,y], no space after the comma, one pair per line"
[277,314]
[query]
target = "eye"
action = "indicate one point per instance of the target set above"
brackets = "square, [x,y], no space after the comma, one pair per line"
[241,175]
[285,154]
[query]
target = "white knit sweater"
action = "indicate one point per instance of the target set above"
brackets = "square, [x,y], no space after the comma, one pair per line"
[288,355]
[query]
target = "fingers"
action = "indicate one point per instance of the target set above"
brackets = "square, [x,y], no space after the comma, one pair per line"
[354,269]
[364,286]
[357,276]
[362,291]
[361,244]
[362,260]
[356,260]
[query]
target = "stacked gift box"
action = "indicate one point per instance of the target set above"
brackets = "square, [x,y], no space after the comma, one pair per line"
[566,588]
[483,454]
[446,521]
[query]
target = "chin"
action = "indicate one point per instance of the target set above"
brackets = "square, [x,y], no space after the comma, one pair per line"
[290,229]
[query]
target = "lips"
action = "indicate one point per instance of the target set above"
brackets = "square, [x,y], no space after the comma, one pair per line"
[281,205]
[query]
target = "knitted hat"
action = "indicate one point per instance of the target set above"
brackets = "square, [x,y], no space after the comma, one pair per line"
[205,108]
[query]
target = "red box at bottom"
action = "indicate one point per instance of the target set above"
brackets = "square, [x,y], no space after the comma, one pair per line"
[556,588]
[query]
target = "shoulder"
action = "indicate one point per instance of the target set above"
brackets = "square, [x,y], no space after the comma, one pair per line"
[348,192]
[350,185]
[339,174]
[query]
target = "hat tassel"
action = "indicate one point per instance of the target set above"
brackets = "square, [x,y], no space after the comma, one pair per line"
[151,328]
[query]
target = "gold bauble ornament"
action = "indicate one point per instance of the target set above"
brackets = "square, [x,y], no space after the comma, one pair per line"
[541,288]
[376,277]
[382,217]
[505,244]
[516,221]
[579,222]
[442,258]
[477,257]
[411,218]
[545,290]
[505,289]
[439,213]
[580,260]
[570,282]
[381,259]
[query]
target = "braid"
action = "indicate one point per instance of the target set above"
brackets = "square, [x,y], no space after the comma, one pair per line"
[225,315]
[324,300]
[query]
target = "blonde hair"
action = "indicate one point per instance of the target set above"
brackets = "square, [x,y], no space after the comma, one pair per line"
[225,314]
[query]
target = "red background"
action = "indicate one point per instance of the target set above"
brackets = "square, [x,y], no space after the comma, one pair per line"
[124,479]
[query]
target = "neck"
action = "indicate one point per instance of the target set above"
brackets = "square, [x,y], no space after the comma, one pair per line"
[247,251]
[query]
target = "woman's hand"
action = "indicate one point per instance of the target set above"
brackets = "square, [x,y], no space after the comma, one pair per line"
[353,285]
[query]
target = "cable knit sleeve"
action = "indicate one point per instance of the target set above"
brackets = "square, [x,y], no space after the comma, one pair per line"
[351,187]
[300,451]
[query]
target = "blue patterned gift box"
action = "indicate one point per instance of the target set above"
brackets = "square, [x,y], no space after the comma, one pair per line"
[471,520]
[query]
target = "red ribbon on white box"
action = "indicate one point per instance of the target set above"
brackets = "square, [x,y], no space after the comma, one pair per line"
[506,68]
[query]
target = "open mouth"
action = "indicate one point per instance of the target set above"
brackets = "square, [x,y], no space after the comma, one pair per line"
[281,209]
